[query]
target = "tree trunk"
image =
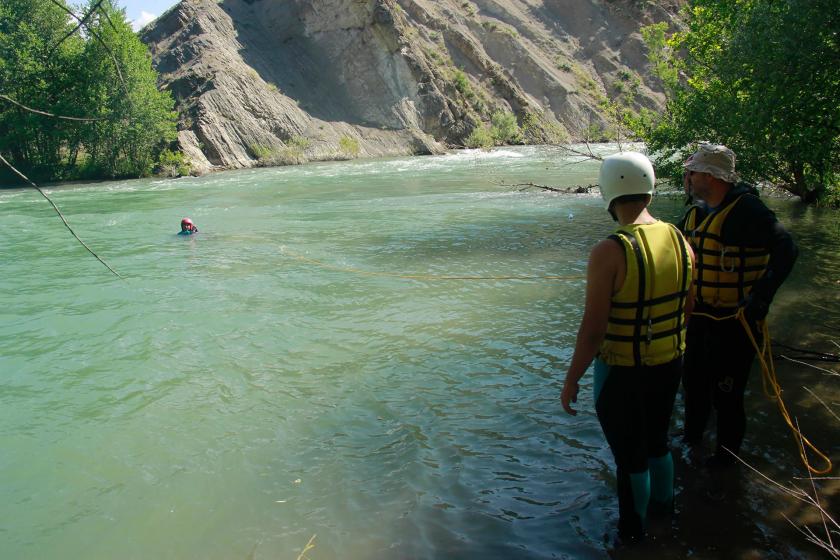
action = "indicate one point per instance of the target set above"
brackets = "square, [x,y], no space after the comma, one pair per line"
[800,186]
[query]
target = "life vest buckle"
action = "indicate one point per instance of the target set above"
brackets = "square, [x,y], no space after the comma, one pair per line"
[723,261]
[650,331]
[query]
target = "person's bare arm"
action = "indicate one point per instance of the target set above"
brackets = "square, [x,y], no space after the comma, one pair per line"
[600,281]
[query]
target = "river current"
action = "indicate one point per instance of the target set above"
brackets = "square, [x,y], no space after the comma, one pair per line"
[304,371]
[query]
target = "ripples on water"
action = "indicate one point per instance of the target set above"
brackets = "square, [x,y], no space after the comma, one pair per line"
[230,400]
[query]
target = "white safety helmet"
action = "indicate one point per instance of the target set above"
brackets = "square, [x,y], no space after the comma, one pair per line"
[625,173]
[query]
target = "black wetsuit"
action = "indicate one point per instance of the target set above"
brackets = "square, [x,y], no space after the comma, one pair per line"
[634,406]
[719,354]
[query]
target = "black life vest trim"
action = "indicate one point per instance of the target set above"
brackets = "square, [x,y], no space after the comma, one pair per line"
[732,285]
[650,302]
[743,252]
[659,319]
[744,268]
[631,338]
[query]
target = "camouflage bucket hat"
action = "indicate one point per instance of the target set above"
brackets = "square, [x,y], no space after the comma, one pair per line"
[715,159]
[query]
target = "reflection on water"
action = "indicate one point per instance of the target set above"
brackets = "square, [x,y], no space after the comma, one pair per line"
[230,400]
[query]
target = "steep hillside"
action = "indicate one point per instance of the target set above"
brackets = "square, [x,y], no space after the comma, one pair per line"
[260,82]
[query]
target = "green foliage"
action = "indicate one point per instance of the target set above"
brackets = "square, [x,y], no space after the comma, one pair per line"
[79,77]
[544,129]
[349,146]
[760,76]
[435,56]
[564,65]
[172,164]
[480,137]
[462,84]
[504,129]
[470,8]
[260,152]
[292,153]
[300,142]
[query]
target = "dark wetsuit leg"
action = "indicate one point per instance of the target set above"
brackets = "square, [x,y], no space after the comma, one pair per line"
[634,408]
[718,359]
[729,384]
[697,383]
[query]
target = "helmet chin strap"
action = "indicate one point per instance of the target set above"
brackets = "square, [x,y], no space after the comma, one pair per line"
[612,213]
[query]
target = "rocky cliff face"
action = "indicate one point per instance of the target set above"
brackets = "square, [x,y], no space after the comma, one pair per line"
[261,82]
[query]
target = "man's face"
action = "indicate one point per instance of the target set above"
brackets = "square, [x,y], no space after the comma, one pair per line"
[697,183]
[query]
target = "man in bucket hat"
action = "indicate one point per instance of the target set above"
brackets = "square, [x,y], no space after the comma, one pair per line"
[743,256]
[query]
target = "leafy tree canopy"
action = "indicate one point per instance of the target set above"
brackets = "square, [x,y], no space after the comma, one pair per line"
[761,76]
[101,73]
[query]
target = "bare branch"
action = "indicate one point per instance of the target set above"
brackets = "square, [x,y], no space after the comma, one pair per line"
[98,38]
[578,189]
[589,154]
[823,514]
[825,371]
[60,215]
[309,546]
[78,25]
[37,112]
[822,403]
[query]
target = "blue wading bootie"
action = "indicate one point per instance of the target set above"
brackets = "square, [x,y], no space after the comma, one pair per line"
[661,485]
[640,482]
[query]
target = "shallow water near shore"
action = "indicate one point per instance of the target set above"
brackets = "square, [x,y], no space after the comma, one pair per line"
[300,367]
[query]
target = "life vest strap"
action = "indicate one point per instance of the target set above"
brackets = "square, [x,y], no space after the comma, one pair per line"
[658,319]
[650,302]
[631,338]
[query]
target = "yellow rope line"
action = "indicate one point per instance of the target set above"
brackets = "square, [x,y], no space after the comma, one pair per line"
[421,276]
[768,379]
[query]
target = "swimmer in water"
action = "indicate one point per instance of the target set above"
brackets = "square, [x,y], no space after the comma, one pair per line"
[187,227]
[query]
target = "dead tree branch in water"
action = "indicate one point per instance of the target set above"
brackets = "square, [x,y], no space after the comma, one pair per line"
[60,215]
[587,155]
[577,189]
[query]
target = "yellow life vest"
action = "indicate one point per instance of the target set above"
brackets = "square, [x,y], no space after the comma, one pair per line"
[725,273]
[647,315]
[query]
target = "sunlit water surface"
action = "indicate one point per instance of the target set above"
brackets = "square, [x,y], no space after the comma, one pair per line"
[274,378]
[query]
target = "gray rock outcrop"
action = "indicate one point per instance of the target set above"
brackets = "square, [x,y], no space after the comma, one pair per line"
[262,82]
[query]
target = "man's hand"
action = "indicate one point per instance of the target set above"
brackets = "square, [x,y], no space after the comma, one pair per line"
[755,308]
[569,395]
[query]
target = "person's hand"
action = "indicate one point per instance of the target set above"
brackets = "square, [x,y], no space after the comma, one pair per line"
[755,308]
[569,395]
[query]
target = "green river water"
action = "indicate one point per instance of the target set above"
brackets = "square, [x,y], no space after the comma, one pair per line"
[251,386]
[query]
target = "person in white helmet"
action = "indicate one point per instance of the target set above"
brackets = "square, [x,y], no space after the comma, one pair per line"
[638,298]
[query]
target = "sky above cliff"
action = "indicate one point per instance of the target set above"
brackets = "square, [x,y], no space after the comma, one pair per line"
[141,12]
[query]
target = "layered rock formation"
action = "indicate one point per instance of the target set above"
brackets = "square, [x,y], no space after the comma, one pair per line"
[261,82]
